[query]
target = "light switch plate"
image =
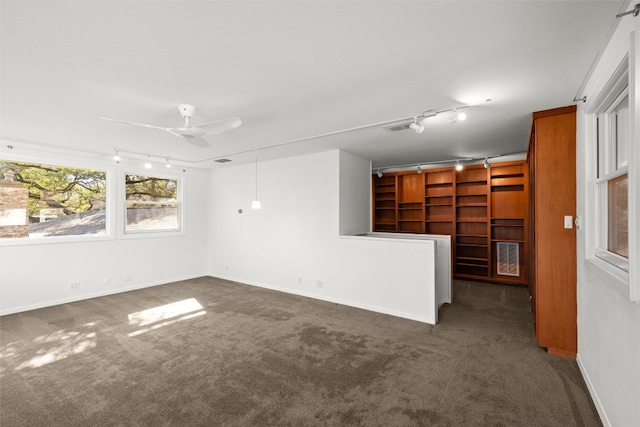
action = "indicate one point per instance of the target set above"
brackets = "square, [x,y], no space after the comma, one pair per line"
[568,221]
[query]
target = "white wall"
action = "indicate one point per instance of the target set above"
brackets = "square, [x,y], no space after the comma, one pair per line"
[608,321]
[39,275]
[293,244]
[355,194]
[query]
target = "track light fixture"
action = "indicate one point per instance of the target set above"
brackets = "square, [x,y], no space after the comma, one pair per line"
[417,127]
[116,157]
[458,164]
[147,164]
[427,114]
[168,163]
[457,116]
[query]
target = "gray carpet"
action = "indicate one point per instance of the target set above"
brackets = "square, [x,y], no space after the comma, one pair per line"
[254,357]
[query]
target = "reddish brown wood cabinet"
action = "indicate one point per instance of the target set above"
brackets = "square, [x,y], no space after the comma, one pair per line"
[553,260]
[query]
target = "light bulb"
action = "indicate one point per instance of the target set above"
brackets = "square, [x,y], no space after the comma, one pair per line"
[458,166]
[419,170]
[379,173]
[462,116]
[417,127]
[255,204]
[116,158]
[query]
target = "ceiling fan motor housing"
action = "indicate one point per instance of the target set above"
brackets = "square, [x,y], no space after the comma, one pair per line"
[186,110]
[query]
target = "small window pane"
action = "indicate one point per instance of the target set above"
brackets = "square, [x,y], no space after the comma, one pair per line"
[151,204]
[622,133]
[618,223]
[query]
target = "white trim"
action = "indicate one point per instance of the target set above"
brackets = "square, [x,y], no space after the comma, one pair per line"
[122,206]
[594,395]
[349,303]
[45,304]
[619,63]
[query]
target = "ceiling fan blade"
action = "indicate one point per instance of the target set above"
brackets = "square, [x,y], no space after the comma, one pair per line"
[144,125]
[219,126]
[197,141]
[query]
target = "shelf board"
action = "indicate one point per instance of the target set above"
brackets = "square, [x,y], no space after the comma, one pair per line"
[471,244]
[507,240]
[476,182]
[471,235]
[469,258]
[409,220]
[439,220]
[475,221]
[462,205]
[472,265]
[508,225]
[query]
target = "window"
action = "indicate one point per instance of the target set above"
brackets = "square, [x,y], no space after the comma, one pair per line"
[612,139]
[152,204]
[43,201]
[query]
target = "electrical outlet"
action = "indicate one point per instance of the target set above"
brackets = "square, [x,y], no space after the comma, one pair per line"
[106,280]
[74,286]
[320,284]
[299,280]
[127,277]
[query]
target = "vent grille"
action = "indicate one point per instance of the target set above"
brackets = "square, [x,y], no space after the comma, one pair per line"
[508,259]
[398,127]
[222,160]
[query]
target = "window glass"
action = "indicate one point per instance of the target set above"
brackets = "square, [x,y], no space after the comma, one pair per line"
[618,224]
[38,200]
[621,133]
[151,204]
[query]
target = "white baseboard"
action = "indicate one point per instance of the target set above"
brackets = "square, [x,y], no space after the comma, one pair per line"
[36,306]
[355,304]
[593,393]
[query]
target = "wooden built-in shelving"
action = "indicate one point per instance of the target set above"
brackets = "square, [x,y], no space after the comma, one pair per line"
[478,207]
[472,259]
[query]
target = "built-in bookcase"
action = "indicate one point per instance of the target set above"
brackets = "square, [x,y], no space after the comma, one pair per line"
[384,204]
[478,207]
[472,233]
[438,202]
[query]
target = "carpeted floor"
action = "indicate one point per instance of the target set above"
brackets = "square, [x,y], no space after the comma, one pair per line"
[208,352]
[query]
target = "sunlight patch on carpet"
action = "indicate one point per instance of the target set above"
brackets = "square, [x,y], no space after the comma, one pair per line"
[163,312]
[67,343]
[167,323]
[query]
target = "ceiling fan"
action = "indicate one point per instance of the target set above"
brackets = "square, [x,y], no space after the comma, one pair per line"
[191,134]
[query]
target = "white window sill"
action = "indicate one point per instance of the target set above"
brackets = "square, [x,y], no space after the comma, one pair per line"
[613,276]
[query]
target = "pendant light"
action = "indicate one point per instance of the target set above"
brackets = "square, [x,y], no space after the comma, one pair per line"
[256,203]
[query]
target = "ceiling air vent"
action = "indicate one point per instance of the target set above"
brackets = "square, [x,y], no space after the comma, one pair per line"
[222,160]
[396,127]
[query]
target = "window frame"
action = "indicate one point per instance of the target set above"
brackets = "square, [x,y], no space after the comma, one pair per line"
[76,164]
[610,86]
[122,205]
[607,167]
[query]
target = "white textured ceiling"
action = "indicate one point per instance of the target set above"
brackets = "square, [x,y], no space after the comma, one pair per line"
[293,70]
